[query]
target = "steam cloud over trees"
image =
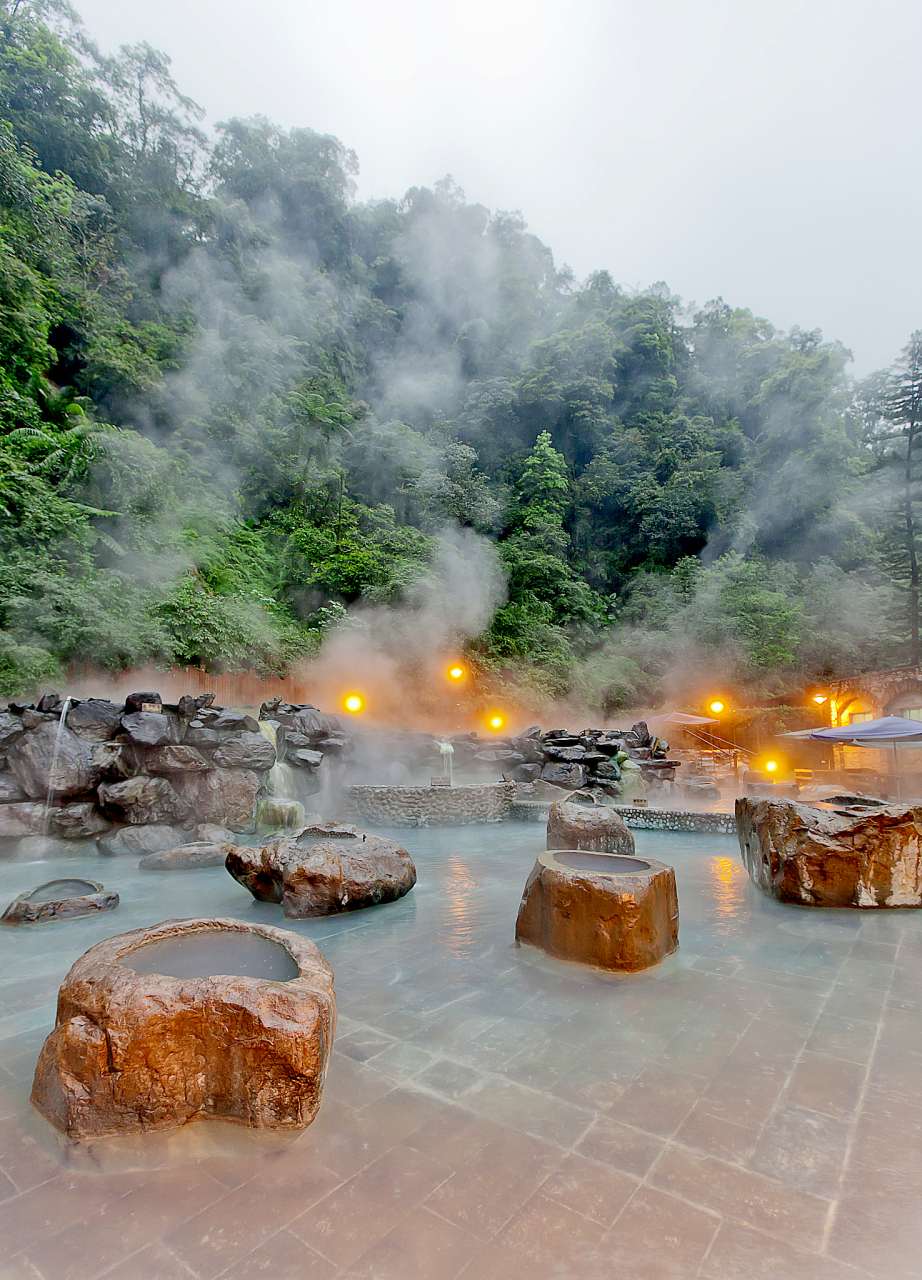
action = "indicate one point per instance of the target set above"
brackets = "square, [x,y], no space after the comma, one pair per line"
[242,413]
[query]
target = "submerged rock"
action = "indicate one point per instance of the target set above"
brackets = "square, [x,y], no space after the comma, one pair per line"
[141,840]
[57,899]
[826,858]
[580,822]
[188,857]
[324,869]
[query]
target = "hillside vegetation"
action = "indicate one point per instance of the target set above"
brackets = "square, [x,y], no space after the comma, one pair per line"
[238,407]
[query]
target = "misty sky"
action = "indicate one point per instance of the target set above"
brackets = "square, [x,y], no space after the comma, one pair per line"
[764,152]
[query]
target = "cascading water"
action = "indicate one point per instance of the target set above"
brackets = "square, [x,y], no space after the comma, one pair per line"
[448,752]
[52,776]
[281,809]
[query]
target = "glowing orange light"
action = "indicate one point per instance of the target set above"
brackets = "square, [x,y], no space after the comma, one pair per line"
[820,697]
[717,707]
[456,673]
[353,702]
[496,722]
[771,766]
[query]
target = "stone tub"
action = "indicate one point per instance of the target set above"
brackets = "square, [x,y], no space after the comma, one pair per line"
[608,910]
[60,899]
[212,1018]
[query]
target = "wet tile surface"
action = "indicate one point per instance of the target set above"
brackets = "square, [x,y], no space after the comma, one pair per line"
[750,1108]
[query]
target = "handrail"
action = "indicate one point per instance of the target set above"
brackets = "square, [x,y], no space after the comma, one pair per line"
[708,742]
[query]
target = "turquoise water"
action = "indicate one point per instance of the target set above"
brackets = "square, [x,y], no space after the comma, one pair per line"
[491,1112]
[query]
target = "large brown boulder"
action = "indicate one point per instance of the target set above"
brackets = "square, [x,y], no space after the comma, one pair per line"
[324,869]
[841,857]
[225,796]
[606,910]
[49,756]
[142,801]
[580,822]
[144,1050]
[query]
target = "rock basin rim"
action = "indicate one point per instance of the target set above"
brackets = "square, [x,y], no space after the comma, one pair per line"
[604,864]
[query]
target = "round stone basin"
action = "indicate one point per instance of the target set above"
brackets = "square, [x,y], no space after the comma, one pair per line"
[221,1019]
[600,864]
[206,955]
[55,890]
[58,899]
[603,909]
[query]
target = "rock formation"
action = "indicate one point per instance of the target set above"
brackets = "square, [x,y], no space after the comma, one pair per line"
[324,869]
[134,1051]
[580,822]
[59,899]
[844,857]
[609,911]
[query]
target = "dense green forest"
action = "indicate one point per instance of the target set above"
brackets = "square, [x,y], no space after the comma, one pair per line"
[241,411]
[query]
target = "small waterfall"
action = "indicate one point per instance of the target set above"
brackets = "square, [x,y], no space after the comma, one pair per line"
[281,809]
[448,752]
[52,776]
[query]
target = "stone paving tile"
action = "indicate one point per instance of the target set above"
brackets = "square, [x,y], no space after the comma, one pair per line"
[850,1038]
[658,1100]
[820,1082]
[739,1253]
[21,1268]
[888,1135]
[659,1237]
[590,1188]
[448,1078]
[212,1240]
[743,1196]
[25,1162]
[422,1246]
[136,1220]
[742,1095]
[715,1136]
[617,1144]
[477,1200]
[506,1102]
[341,1225]
[454,1135]
[282,1257]
[877,1224]
[154,1262]
[804,1148]
[544,1239]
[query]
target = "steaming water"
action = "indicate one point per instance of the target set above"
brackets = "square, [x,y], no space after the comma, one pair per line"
[752,1099]
[206,954]
[606,864]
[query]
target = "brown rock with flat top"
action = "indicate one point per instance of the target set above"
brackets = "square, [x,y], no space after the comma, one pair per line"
[606,910]
[832,857]
[324,869]
[580,822]
[134,1051]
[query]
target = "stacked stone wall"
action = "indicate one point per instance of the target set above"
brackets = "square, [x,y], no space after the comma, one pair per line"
[431,806]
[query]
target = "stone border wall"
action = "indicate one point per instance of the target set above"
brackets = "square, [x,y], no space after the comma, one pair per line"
[431,806]
[723,824]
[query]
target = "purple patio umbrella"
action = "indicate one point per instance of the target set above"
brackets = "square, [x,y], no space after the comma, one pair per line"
[888,731]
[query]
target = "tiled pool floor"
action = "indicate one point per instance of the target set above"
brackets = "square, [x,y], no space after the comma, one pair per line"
[751,1108]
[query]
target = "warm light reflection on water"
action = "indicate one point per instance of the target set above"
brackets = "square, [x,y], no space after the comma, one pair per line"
[461,933]
[728,881]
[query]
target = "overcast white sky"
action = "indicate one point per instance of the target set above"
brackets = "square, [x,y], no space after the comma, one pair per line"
[762,151]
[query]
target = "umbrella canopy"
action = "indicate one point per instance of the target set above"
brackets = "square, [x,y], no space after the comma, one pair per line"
[885,732]
[888,731]
[680,717]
